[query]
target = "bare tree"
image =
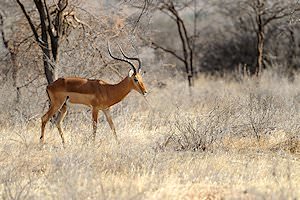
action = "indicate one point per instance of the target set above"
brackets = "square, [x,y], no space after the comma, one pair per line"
[266,12]
[261,24]
[48,33]
[171,9]
[12,49]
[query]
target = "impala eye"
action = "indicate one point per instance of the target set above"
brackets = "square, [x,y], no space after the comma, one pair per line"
[136,80]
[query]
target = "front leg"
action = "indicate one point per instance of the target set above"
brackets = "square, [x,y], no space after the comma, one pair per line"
[95,120]
[110,122]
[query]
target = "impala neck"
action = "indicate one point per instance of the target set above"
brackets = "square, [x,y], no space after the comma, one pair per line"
[120,90]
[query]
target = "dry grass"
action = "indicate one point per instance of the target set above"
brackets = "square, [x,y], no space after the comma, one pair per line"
[223,140]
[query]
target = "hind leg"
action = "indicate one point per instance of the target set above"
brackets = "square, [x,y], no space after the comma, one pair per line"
[110,122]
[62,114]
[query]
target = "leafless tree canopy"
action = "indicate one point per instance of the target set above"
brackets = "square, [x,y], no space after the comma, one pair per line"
[44,40]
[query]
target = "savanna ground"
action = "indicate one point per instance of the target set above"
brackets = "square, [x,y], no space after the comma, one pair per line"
[223,139]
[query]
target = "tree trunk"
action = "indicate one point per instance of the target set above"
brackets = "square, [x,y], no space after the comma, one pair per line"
[260,52]
[49,70]
[260,38]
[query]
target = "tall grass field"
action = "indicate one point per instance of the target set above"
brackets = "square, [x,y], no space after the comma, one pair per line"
[221,139]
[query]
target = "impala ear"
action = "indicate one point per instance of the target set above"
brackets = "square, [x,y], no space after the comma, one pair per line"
[142,72]
[130,73]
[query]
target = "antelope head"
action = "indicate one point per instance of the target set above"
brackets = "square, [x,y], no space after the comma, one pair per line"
[134,74]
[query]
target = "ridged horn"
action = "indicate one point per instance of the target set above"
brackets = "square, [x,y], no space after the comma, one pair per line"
[137,59]
[120,59]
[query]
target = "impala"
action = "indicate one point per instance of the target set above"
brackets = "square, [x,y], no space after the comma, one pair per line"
[96,94]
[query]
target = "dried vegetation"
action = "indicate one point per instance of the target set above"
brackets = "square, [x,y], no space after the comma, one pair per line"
[222,139]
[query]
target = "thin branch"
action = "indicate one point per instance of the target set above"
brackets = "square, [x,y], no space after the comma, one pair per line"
[164,9]
[168,14]
[180,26]
[64,7]
[279,16]
[274,17]
[157,46]
[29,21]
[29,82]
[145,6]
[49,21]
[5,42]
[82,23]
[39,5]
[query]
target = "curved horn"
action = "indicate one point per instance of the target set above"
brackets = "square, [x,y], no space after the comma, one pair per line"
[120,59]
[137,59]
